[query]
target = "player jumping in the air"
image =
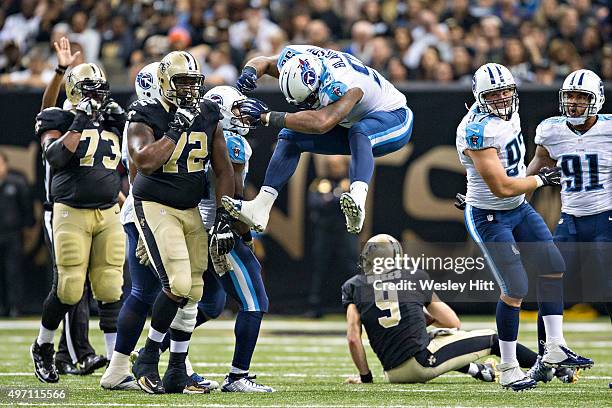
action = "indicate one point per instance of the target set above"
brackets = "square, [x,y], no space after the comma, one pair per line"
[347,108]
[491,148]
[579,141]
[82,148]
[395,322]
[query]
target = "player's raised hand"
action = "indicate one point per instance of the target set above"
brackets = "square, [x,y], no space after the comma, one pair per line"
[247,80]
[221,234]
[111,107]
[65,57]
[183,119]
[550,176]
[460,201]
[253,108]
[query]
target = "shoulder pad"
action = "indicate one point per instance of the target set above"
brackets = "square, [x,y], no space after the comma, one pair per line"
[148,111]
[53,119]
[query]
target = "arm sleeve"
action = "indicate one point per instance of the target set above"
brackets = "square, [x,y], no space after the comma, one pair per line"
[348,290]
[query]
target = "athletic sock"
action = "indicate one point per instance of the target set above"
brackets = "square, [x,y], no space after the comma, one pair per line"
[45,335]
[119,361]
[130,324]
[188,367]
[165,344]
[282,165]
[237,373]
[550,303]
[507,319]
[110,340]
[246,331]
[362,158]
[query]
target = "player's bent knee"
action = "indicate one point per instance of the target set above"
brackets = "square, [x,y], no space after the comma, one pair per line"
[180,285]
[106,284]
[70,288]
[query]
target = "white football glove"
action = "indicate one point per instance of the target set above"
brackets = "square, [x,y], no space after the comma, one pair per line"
[442,331]
[88,106]
[141,253]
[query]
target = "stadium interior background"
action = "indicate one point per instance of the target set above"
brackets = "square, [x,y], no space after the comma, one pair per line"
[413,190]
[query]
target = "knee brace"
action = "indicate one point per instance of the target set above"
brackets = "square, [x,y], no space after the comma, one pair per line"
[108,316]
[185,319]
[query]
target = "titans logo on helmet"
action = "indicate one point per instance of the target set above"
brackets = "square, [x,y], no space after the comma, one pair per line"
[145,80]
[216,98]
[309,76]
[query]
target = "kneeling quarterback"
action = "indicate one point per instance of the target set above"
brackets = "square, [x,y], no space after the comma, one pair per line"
[82,148]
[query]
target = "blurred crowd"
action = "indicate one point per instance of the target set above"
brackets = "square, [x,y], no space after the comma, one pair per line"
[405,40]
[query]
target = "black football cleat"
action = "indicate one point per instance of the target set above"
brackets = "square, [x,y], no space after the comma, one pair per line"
[44,362]
[151,383]
[91,363]
[66,368]
[146,372]
[175,379]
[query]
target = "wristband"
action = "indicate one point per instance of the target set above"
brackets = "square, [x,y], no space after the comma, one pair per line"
[366,378]
[249,69]
[60,70]
[276,119]
[539,181]
[79,122]
[173,134]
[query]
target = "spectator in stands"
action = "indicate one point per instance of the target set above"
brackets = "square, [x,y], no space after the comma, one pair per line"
[322,10]
[443,73]
[82,34]
[428,33]
[361,34]
[381,53]
[37,75]
[317,33]
[22,27]
[462,65]
[371,11]
[16,217]
[427,66]
[117,41]
[491,33]
[219,69]
[567,25]
[515,59]
[590,46]
[10,59]
[459,11]
[253,32]
[179,39]
[397,71]
[299,22]
[544,74]
[564,57]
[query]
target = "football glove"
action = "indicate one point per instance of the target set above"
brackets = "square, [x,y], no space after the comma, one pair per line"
[183,119]
[86,110]
[253,108]
[220,262]
[221,234]
[141,253]
[247,80]
[112,108]
[550,176]
[460,201]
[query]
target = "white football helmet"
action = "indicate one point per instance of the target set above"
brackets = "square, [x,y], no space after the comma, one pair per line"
[228,98]
[495,77]
[381,246]
[300,79]
[146,83]
[584,81]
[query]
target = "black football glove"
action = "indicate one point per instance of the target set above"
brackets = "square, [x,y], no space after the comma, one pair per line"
[113,113]
[253,108]
[183,119]
[460,201]
[221,235]
[550,176]
[247,80]
[87,109]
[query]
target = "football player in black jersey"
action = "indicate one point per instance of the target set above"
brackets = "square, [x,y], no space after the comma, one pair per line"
[82,148]
[170,141]
[396,325]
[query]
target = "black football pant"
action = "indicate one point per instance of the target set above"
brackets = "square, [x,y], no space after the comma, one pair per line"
[74,343]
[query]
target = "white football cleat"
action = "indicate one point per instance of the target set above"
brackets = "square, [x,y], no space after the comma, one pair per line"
[204,382]
[251,212]
[244,384]
[511,376]
[559,355]
[353,212]
[115,380]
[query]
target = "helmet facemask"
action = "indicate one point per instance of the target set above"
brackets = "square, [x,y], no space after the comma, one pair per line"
[235,121]
[186,90]
[503,107]
[311,102]
[578,110]
[94,89]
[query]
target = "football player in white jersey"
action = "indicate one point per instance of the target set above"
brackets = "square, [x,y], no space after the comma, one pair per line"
[579,141]
[347,108]
[491,147]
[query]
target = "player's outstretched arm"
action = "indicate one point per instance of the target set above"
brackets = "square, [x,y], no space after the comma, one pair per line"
[254,69]
[442,314]
[147,154]
[353,336]
[489,166]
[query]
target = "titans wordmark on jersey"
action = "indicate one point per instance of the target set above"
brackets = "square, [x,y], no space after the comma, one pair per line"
[478,131]
[90,179]
[180,182]
[586,163]
[341,72]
